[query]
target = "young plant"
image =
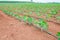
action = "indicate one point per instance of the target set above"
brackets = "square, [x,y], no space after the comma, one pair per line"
[24,18]
[36,22]
[48,16]
[53,12]
[30,20]
[11,14]
[30,13]
[43,24]
[58,34]
[38,13]
[58,17]
[17,16]
[6,12]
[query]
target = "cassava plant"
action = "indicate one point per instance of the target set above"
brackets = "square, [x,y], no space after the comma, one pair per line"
[58,17]
[58,34]
[43,24]
[24,18]
[30,20]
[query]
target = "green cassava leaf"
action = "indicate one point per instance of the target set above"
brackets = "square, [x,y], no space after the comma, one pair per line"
[53,12]
[58,38]
[25,18]
[36,22]
[43,24]
[48,16]
[58,34]
[30,20]
[12,14]
[58,17]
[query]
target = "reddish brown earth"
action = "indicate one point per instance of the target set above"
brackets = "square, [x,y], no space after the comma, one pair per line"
[12,29]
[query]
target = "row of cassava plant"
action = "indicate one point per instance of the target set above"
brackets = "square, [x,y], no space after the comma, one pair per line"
[39,23]
[30,19]
[38,9]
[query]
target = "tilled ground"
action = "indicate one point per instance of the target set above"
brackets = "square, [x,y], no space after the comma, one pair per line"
[12,29]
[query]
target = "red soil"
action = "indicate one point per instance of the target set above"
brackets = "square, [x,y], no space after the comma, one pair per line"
[12,29]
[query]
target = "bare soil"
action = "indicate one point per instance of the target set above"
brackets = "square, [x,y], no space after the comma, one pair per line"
[13,29]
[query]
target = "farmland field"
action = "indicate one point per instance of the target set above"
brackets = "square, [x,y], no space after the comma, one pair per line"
[18,21]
